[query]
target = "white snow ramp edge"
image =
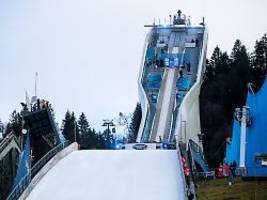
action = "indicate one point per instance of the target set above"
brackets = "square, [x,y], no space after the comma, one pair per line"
[113,175]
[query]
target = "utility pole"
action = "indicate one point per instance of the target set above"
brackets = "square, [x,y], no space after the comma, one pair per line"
[36,83]
[108,123]
[75,132]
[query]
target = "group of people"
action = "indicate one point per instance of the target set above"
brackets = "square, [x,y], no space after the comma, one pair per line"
[187,66]
[226,170]
[190,184]
[185,166]
[41,104]
[195,41]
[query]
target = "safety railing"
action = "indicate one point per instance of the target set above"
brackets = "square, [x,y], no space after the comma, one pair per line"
[258,172]
[25,181]
[35,169]
[205,175]
[197,155]
[5,142]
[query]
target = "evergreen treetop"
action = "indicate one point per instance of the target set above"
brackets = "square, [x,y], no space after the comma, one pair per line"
[135,124]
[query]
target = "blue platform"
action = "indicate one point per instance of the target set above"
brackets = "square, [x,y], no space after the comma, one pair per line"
[153,85]
[154,77]
[150,53]
[153,81]
[183,83]
[173,60]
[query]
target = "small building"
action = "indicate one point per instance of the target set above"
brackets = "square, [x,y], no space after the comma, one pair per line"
[255,148]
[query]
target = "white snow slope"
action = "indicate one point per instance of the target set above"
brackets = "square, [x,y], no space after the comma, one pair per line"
[113,175]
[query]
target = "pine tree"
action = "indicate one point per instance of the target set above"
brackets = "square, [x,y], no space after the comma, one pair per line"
[236,49]
[259,64]
[87,140]
[100,141]
[8,129]
[83,124]
[219,61]
[1,129]
[215,57]
[223,90]
[223,65]
[135,124]
[74,128]
[240,62]
[210,72]
[66,125]
[69,125]
[15,124]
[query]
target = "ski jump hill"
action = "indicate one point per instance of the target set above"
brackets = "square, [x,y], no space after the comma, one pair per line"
[112,174]
[169,84]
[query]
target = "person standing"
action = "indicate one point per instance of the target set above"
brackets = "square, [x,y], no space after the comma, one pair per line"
[226,169]
[234,168]
[220,171]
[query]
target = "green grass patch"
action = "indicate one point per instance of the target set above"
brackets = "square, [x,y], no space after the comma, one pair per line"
[218,189]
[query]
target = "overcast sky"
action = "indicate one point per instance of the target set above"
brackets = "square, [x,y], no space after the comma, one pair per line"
[88,53]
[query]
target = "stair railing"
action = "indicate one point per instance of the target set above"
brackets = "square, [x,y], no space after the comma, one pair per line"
[25,181]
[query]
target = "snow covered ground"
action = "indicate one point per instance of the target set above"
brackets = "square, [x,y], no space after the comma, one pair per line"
[113,175]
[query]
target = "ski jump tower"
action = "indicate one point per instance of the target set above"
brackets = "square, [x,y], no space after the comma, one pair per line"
[171,74]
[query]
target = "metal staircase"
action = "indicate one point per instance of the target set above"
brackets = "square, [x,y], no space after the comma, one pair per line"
[198,156]
[8,143]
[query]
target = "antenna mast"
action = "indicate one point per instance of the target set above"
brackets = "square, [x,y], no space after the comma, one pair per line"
[36,82]
[203,9]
